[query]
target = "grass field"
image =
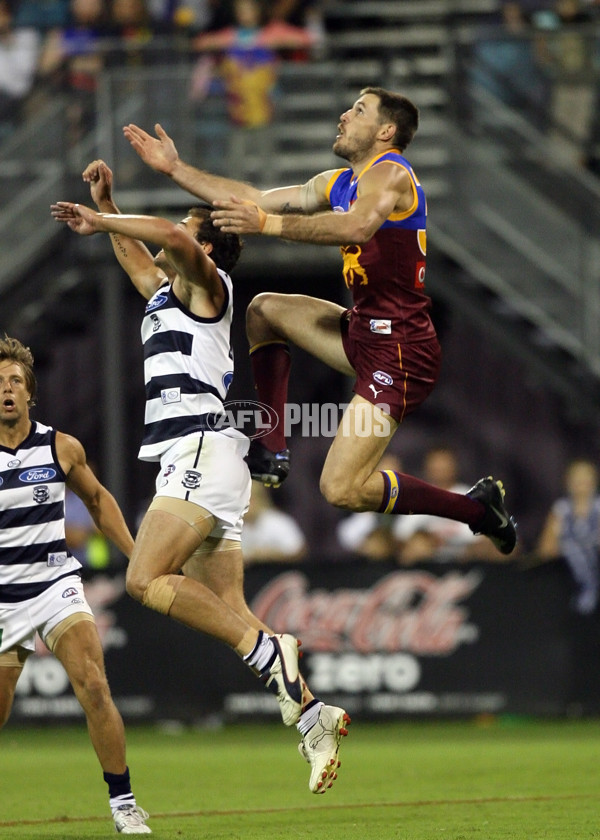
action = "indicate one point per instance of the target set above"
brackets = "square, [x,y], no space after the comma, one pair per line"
[494,780]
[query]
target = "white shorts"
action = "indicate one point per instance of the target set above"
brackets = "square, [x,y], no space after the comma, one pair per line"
[20,622]
[208,469]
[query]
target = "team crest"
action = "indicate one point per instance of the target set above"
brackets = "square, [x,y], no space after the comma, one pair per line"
[191,479]
[41,494]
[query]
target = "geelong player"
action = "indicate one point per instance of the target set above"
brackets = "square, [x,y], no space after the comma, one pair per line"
[194,522]
[40,582]
[375,209]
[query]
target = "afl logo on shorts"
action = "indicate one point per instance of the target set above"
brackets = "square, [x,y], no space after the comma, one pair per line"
[383,378]
[191,479]
[70,592]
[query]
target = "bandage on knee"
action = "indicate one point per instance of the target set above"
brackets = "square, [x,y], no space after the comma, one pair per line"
[160,593]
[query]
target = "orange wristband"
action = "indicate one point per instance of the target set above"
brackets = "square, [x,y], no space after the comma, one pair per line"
[270,225]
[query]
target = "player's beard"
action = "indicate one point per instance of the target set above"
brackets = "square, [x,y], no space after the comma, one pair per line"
[353,150]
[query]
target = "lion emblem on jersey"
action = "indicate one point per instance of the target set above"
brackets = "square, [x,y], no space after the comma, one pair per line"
[353,270]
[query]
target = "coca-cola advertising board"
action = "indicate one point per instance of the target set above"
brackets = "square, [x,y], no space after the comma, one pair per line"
[429,640]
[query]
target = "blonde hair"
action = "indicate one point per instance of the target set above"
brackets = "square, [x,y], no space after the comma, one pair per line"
[11,350]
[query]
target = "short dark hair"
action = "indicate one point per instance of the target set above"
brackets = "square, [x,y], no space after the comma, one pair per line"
[397,109]
[226,247]
[11,350]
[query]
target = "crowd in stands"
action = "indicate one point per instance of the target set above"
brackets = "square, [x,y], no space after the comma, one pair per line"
[62,45]
[543,61]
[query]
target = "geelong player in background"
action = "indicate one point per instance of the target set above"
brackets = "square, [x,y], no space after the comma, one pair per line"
[40,582]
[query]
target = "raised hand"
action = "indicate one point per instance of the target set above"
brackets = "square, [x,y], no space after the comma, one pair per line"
[100,178]
[158,152]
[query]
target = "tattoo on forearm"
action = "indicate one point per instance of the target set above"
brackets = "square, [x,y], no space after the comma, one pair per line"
[287,208]
[118,244]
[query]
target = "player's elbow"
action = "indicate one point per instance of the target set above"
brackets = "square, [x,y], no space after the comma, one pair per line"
[172,238]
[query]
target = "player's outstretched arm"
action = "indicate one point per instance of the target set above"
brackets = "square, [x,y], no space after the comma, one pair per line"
[160,153]
[133,255]
[384,189]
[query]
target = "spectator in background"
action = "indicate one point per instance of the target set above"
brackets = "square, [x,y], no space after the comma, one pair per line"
[269,535]
[43,15]
[247,61]
[571,532]
[567,54]
[131,31]
[72,59]
[507,64]
[304,13]
[130,20]
[20,49]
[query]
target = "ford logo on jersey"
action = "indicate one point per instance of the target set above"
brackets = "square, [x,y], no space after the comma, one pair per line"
[383,378]
[156,301]
[38,474]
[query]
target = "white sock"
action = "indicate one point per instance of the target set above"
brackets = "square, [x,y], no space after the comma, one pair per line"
[309,717]
[116,802]
[262,654]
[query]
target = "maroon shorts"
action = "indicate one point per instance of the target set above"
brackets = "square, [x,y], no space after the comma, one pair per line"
[390,374]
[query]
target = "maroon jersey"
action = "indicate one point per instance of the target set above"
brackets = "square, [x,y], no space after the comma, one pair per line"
[388,335]
[387,274]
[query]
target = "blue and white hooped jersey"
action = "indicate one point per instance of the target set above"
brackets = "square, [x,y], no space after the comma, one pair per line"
[33,549]
[188,368]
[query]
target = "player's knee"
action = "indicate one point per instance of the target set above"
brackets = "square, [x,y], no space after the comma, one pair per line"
[260,309]
[158,593]
[135,584]
[93,693]
[256,307]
